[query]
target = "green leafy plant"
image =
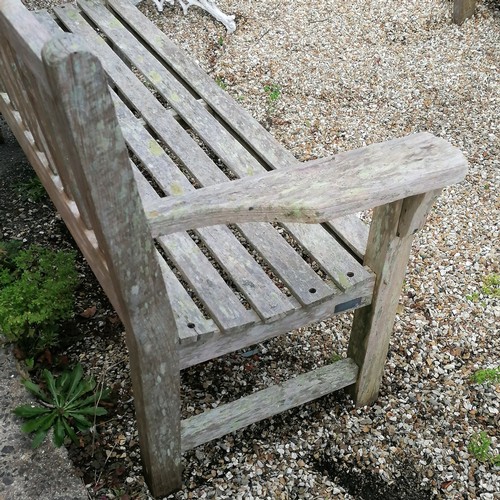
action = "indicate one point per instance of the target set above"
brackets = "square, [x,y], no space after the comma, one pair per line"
[486,375]
[491,285]
[70,400]
[473,297]
[480,447]
[36,294]
[8,251]
[273,92]
[221,83]
[335,357]
[32,189]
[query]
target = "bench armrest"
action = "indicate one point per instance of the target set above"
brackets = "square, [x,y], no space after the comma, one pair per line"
[319,190]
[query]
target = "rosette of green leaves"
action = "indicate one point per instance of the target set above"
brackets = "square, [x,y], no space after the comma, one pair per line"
[67,406]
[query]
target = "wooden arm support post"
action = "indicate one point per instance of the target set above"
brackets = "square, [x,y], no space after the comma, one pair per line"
[389,244]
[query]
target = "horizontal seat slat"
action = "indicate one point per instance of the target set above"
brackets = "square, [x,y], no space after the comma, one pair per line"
[267,300]
[353,232]
[164,124]
[299,277]
[239,119]
[223,305]
[230,417]
[264,296]
[342,267]
[192,325]
[241,267]
[216,295]
[231,152]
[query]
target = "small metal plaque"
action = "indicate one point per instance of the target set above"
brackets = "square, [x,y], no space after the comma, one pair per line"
[347,305]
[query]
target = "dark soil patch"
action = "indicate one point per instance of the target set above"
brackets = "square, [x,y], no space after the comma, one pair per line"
[365,485]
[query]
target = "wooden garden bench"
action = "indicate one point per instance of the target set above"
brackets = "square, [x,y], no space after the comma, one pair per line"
[136,147]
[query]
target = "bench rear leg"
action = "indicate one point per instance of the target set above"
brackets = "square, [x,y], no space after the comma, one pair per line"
[388,251]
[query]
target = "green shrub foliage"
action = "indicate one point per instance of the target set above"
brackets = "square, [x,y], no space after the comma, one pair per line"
[36,294]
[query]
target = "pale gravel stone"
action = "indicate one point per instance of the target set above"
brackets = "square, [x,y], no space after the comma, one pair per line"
[353,73]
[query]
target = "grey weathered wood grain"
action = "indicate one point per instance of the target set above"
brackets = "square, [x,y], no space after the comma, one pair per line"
[320,190]
[264,296]
[223,305]
[341,266]
[414,212]
[240,161]
[268,301]
[191,324]
[230,417]
[171,132]
[225,342]
[238,120]
[244,124]
[231,152]
[387,255]
[353,232]
[463,9]
[207,173]
[298,276]
[283,259]
[401,178]
[246,274]
[85,110]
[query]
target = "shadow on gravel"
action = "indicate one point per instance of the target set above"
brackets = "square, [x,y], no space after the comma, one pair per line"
[364,485]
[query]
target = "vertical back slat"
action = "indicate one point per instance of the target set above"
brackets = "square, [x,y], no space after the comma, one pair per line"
[26,84]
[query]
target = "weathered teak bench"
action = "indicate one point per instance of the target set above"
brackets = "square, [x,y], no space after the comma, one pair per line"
[139,171]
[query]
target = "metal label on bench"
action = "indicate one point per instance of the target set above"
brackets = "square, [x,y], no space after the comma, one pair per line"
[347,305]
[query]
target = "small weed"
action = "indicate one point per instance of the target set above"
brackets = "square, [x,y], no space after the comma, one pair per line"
[473,297]
[487,375]
[221,83]
[273,92]
[64,408]
[335,357]
[479,447]
[491,285]
[32,189]
[220,41]
[36,294]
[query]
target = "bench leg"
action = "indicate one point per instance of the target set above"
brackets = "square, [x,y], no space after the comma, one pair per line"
[156,386]
[463,9]
[388,251]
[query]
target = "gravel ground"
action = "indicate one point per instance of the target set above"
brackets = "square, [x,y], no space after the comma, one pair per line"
[346,74]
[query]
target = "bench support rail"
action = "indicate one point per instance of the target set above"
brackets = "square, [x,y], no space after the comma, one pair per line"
[266,403]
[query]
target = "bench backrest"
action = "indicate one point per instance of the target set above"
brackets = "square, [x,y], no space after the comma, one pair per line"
[67,125]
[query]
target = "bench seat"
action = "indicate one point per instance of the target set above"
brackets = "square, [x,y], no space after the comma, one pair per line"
[183,132]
